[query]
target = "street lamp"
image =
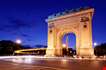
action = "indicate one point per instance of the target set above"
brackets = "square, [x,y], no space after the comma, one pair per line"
[64,45]
[95,44]
[18,41]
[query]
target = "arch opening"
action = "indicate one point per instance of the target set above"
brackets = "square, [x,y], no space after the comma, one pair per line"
[68,42]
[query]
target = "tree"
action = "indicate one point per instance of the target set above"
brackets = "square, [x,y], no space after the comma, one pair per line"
[40,46]
[26,47]
[100,50]
[7,47]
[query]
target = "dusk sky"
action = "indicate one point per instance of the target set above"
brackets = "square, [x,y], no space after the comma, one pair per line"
[25,19]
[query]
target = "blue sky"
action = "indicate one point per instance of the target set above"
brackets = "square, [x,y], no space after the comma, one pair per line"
[25,19]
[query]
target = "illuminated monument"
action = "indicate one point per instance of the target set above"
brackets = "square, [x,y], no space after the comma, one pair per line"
[79,22]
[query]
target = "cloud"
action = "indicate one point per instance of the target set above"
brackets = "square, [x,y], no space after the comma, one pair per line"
[17,27]
[25,35]
[14,24]
[19,23]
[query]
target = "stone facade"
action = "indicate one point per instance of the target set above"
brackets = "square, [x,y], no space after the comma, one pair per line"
[79,23]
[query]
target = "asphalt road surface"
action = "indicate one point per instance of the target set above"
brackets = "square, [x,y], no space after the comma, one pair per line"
[27,63]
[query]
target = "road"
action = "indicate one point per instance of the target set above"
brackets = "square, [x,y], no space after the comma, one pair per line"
[39,63]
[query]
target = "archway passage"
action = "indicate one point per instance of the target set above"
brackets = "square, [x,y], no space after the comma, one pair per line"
[78,22]
[69,44]
[69,40]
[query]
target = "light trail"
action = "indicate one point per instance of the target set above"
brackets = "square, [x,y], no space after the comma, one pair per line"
[47,58]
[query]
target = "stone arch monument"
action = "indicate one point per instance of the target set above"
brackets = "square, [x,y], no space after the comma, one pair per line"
[77,21]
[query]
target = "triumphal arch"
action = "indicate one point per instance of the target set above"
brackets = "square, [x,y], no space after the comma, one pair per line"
[77,21]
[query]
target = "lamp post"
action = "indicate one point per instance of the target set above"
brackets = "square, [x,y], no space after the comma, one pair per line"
[64,49]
